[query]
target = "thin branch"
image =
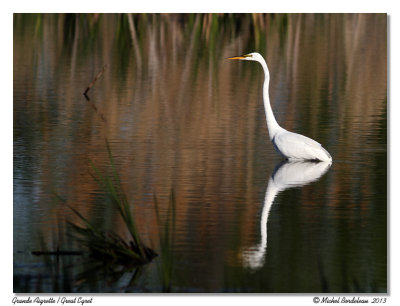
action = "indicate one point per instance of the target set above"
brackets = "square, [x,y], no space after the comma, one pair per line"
[94,81]
[87,90]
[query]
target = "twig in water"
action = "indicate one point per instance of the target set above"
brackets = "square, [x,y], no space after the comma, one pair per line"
[94,81]
[87,97]
[58,253]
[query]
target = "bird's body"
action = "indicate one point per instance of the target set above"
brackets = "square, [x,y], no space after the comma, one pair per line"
[292,146]
[298,147]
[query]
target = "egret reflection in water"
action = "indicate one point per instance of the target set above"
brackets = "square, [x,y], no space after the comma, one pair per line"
[287,174]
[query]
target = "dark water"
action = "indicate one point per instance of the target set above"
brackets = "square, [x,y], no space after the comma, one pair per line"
[180,117]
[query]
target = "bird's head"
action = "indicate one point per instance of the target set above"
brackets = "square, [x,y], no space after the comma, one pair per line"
[248,57]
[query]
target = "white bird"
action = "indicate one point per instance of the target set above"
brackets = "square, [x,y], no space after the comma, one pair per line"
[292,146]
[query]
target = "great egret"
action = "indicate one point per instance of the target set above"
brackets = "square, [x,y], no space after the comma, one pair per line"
[293,146]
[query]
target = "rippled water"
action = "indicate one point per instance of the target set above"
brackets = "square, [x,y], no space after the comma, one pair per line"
[180,117]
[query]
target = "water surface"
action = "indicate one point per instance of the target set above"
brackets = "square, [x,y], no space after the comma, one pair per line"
[179,116]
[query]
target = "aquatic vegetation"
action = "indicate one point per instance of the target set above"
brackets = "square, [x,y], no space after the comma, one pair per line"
[109,246]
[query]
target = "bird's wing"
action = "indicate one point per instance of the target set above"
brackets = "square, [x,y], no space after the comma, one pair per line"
[294,145]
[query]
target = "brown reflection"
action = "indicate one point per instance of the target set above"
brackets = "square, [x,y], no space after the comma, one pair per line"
[180,116]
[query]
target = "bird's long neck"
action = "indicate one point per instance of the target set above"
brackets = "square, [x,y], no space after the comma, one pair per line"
[273,126]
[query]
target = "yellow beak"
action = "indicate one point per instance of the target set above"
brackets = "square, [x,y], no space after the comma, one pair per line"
[236,57]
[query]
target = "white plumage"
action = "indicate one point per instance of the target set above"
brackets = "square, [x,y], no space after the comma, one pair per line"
[292,146]
[298,147]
